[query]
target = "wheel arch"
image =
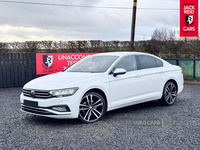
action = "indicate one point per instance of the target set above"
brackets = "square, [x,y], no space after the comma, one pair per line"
[174,81]
[102,93]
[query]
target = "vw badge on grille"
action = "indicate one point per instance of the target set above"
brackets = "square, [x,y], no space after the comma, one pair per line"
[32,93]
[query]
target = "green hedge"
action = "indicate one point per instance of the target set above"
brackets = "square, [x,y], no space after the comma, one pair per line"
[164,49]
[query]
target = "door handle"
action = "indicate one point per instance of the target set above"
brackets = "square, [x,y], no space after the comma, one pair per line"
[138,76]
[161,72]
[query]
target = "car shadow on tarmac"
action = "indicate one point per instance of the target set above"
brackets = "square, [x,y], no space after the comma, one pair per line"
[109,116]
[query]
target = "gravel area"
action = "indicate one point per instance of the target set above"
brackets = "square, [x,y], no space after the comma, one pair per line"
[144,126]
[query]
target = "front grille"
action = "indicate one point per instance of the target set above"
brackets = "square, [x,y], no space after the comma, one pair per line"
[37,94]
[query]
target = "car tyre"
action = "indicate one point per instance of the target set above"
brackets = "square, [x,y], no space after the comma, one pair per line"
[92,107]
[169,94]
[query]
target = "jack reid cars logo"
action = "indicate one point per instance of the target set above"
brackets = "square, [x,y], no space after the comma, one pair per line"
[48,61]
[188,18]
[189,10]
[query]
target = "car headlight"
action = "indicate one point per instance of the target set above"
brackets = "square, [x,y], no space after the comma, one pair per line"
[63,92]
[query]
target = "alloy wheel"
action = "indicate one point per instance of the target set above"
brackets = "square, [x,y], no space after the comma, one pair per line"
[170,93]
[92,107]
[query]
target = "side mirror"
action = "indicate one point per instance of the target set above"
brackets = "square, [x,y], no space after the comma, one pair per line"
[119,71]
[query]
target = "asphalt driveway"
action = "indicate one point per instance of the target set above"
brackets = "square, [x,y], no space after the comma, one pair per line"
[144,126]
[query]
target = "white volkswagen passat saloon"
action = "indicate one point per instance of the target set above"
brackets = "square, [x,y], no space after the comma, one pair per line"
[100,83]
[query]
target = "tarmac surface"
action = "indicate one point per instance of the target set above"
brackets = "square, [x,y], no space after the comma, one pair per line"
[145,126]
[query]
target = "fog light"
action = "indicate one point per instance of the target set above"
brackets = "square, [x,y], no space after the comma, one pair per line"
[59,108]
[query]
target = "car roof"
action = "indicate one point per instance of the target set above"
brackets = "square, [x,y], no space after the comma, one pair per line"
[122,53]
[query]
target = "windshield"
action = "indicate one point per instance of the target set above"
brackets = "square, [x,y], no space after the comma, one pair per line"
[94,64]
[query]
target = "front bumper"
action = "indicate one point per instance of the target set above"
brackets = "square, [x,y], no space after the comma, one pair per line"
[44,107]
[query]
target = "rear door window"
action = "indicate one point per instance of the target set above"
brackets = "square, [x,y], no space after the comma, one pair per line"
[146,61]
[159,62]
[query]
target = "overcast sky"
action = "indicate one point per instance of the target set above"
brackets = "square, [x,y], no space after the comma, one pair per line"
[24,22]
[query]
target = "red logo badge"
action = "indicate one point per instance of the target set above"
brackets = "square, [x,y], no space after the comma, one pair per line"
[189,18]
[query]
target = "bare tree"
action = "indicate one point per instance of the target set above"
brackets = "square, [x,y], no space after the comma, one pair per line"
[163,34]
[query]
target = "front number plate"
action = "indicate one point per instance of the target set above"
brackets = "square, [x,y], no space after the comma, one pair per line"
[30,103]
